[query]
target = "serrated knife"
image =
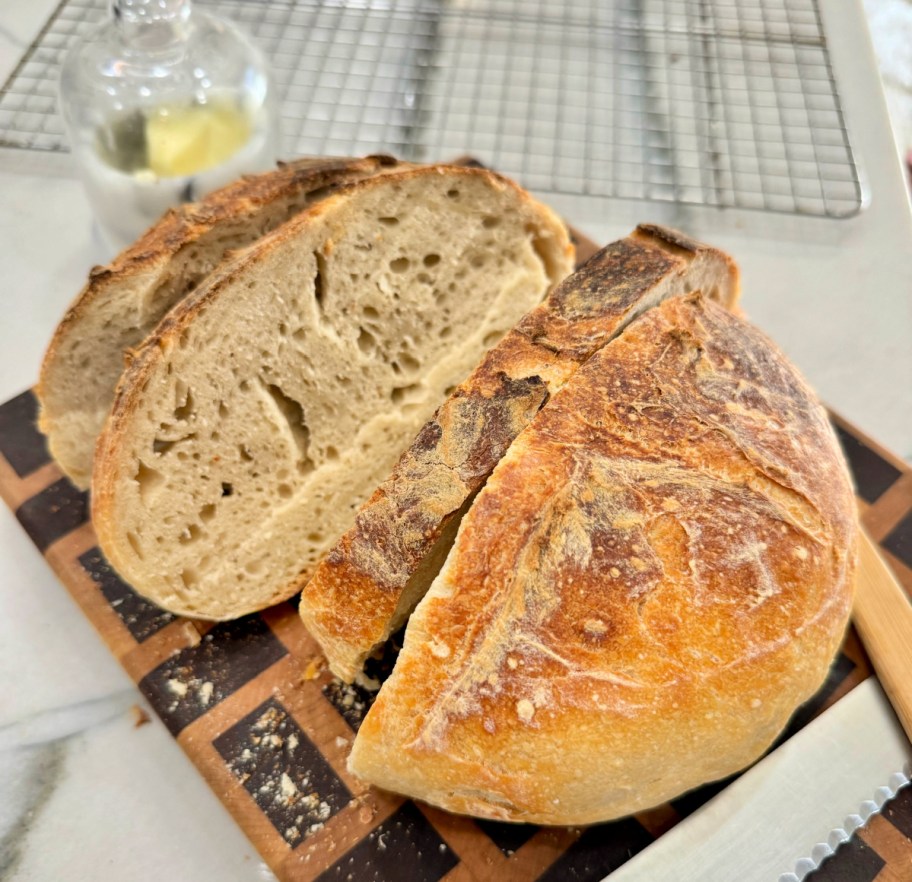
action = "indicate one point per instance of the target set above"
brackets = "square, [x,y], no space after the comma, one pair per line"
[782,817]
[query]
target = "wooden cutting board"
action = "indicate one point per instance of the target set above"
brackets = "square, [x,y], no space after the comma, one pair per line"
[268,727]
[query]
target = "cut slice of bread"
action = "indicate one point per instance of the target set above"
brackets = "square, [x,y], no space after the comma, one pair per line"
[122,302]
[658,572]
[372,578]
[267,405]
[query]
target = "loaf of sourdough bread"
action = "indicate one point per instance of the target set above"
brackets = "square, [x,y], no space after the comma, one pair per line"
[269,403]
[372,578]
[124,301]
[657,573]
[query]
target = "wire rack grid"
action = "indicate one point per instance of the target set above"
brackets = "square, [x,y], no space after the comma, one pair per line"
[729,103]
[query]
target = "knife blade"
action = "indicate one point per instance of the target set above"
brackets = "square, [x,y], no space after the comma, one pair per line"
[791,810]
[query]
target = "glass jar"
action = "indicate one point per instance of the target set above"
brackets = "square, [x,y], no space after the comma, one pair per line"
[163,104]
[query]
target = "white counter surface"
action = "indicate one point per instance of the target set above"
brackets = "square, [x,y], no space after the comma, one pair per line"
[78,779]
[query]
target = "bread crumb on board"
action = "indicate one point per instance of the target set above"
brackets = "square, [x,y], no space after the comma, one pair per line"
[314,668]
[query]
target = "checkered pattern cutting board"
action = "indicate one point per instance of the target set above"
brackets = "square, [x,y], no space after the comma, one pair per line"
[270,729]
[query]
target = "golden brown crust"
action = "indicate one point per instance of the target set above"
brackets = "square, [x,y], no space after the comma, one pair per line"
[366,585]
[658,572]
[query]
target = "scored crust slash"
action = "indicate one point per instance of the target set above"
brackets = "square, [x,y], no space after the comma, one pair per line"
[377,572]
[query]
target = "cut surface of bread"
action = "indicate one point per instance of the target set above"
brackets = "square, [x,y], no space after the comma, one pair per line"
[658,572]
[372,578]
[269,403]
[124,301]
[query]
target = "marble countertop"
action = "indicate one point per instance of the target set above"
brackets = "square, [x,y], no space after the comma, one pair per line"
[84,785]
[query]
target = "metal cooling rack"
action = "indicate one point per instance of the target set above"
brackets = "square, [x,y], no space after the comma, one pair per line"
[711,102]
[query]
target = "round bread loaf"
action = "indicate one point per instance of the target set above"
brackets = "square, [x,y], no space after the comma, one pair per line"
[656,575]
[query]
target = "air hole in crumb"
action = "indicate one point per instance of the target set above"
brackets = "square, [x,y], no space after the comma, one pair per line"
[150,482]
[477,261]
[409,362]
[366,341]
[423,279]
[445,332]
[207,513]
[431,260]
[245,454]
[189,577]
[369,312]
[331,452]
[244,385]
[133,539]
[452,194]
[314,537]
[491,338]
[285,491]
[715,294]
[490,222]
[190,534]
[399,265]
[293,414]
[395,366]
[298,335]
[283,329]
[388,221]
[183,341]
[405,394]
[449,391]
[222,409]
[183,401]
[227,489]
[320,282]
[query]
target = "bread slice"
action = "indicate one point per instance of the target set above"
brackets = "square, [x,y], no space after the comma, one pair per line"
[266,407]
[371,580]
[122,302]
[656,575]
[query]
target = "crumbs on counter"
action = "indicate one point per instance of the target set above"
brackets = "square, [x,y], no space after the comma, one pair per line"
[140,717]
